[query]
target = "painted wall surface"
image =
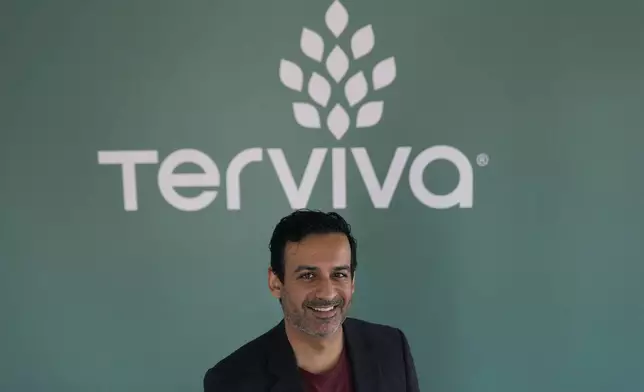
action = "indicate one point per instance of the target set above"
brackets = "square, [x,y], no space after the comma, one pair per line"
[487,153]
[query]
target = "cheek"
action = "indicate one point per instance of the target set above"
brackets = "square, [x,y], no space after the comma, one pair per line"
[346,290]
[298,295]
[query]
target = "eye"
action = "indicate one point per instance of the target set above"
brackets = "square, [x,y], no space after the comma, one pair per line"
[307,276]
[341,275]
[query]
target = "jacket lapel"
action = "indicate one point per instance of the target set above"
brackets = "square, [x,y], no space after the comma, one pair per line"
[282,364]
[365,366]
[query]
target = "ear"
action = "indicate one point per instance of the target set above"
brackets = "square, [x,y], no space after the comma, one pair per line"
[353,283]
[274,284]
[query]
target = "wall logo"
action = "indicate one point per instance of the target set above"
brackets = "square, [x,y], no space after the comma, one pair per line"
[337,64]
[314,111]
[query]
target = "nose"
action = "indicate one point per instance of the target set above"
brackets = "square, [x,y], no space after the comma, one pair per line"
[325,289]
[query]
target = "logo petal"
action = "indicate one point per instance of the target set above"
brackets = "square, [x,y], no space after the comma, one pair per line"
[319,89]
[356,89]
[291,75]
[312,44]
[337,64]
[369,114]
[362,42]
[338,121]
[306,115]
[336,18]
[384,73]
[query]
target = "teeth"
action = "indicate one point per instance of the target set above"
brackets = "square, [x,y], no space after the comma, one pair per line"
[323,309]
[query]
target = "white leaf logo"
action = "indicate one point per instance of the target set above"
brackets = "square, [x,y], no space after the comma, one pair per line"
[291,75]
[336,18]
[362,42]
[384,73]
[312,44]
[356,89]
[338,121]
[306,115]
[369,114]
[356,86]
[337,64]
[319,89]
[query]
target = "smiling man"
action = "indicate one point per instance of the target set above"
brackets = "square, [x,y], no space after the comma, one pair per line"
[316,347]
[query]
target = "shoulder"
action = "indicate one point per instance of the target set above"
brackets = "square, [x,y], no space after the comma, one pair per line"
[378,336]
[388,346]
[371,329]
[235,368]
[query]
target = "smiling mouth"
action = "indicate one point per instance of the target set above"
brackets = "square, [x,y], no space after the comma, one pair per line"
[323,309]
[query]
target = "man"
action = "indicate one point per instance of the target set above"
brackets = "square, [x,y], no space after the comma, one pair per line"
[316,348]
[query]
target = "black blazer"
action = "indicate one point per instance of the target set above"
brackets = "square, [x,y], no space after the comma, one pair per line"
[380,360]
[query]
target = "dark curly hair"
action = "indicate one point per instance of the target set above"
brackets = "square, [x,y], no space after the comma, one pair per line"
[301,223]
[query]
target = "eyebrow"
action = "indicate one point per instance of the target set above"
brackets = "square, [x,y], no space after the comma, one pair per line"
[311,268]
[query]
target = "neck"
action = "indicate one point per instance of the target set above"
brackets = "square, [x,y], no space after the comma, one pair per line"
[315,354]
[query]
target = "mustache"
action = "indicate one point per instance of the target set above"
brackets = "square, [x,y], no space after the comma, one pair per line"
[320,303]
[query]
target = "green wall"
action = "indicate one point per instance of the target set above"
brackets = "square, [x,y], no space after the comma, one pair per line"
[537,287]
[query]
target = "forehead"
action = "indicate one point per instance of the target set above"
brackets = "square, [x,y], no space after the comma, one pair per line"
[318,249]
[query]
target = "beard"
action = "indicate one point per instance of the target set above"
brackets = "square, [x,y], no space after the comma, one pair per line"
[311,322]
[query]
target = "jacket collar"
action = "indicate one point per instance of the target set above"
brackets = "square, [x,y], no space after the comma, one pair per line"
[364,363]
[283,365]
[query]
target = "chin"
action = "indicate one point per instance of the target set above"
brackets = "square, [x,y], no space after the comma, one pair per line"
[326,332]
[329,328]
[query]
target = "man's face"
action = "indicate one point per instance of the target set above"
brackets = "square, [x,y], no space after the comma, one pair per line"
[318,286]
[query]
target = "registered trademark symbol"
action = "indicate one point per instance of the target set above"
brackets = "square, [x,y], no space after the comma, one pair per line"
[482,159]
